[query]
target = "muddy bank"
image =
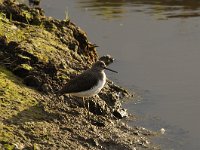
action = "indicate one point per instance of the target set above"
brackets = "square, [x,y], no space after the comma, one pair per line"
[38,55]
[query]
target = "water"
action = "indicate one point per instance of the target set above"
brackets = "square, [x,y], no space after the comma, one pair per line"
[156,44]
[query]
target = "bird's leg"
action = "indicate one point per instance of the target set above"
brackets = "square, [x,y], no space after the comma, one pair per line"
[95,102]
[88,108]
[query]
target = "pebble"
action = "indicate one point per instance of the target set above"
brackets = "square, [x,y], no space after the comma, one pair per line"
[162,131]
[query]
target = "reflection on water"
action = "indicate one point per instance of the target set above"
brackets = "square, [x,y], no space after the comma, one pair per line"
[111,9]
[108,9]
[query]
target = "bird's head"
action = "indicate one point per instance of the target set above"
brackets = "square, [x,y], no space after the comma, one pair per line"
[100,65]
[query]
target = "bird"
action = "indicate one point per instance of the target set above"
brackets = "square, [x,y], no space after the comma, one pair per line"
[88,83]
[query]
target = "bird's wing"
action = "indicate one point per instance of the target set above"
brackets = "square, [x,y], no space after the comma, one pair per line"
[80,83]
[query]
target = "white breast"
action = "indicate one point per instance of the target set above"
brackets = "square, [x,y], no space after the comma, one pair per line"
[93,91]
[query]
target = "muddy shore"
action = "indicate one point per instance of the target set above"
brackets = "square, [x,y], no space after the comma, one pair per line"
[38,55]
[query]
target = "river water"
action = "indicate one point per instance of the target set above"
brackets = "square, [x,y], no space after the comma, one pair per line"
[156,45]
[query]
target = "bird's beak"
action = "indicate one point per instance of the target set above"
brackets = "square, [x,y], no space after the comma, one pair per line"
[110,70]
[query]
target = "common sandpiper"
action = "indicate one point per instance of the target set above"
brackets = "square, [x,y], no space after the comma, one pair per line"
[88,83]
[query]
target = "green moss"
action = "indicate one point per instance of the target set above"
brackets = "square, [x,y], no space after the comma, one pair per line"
[35,147]
[63,77]
[14,96]
[24,57]
[27,15]
[39,46]
[33,38]
[3,17]
[26,66]
[6,134]
[9,30]
[18,104]
[9,146]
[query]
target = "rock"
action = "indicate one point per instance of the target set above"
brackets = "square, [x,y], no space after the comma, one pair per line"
[120,113]
[97,123]
[96,108]
[32,81]
[107,59]
[50,69]
[23,59]
[19,146]
[46,88]
[162,131]
[34,2]
[93,141]
[3,42]
[22,70]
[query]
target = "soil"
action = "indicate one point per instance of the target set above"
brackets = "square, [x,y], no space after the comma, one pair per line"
[38,55]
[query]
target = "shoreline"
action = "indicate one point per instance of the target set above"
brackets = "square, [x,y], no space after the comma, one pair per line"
[38,55]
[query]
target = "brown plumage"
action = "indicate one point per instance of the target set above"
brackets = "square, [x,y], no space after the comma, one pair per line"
[88,83]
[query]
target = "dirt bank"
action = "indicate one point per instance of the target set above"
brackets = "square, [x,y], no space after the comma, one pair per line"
[38,55]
